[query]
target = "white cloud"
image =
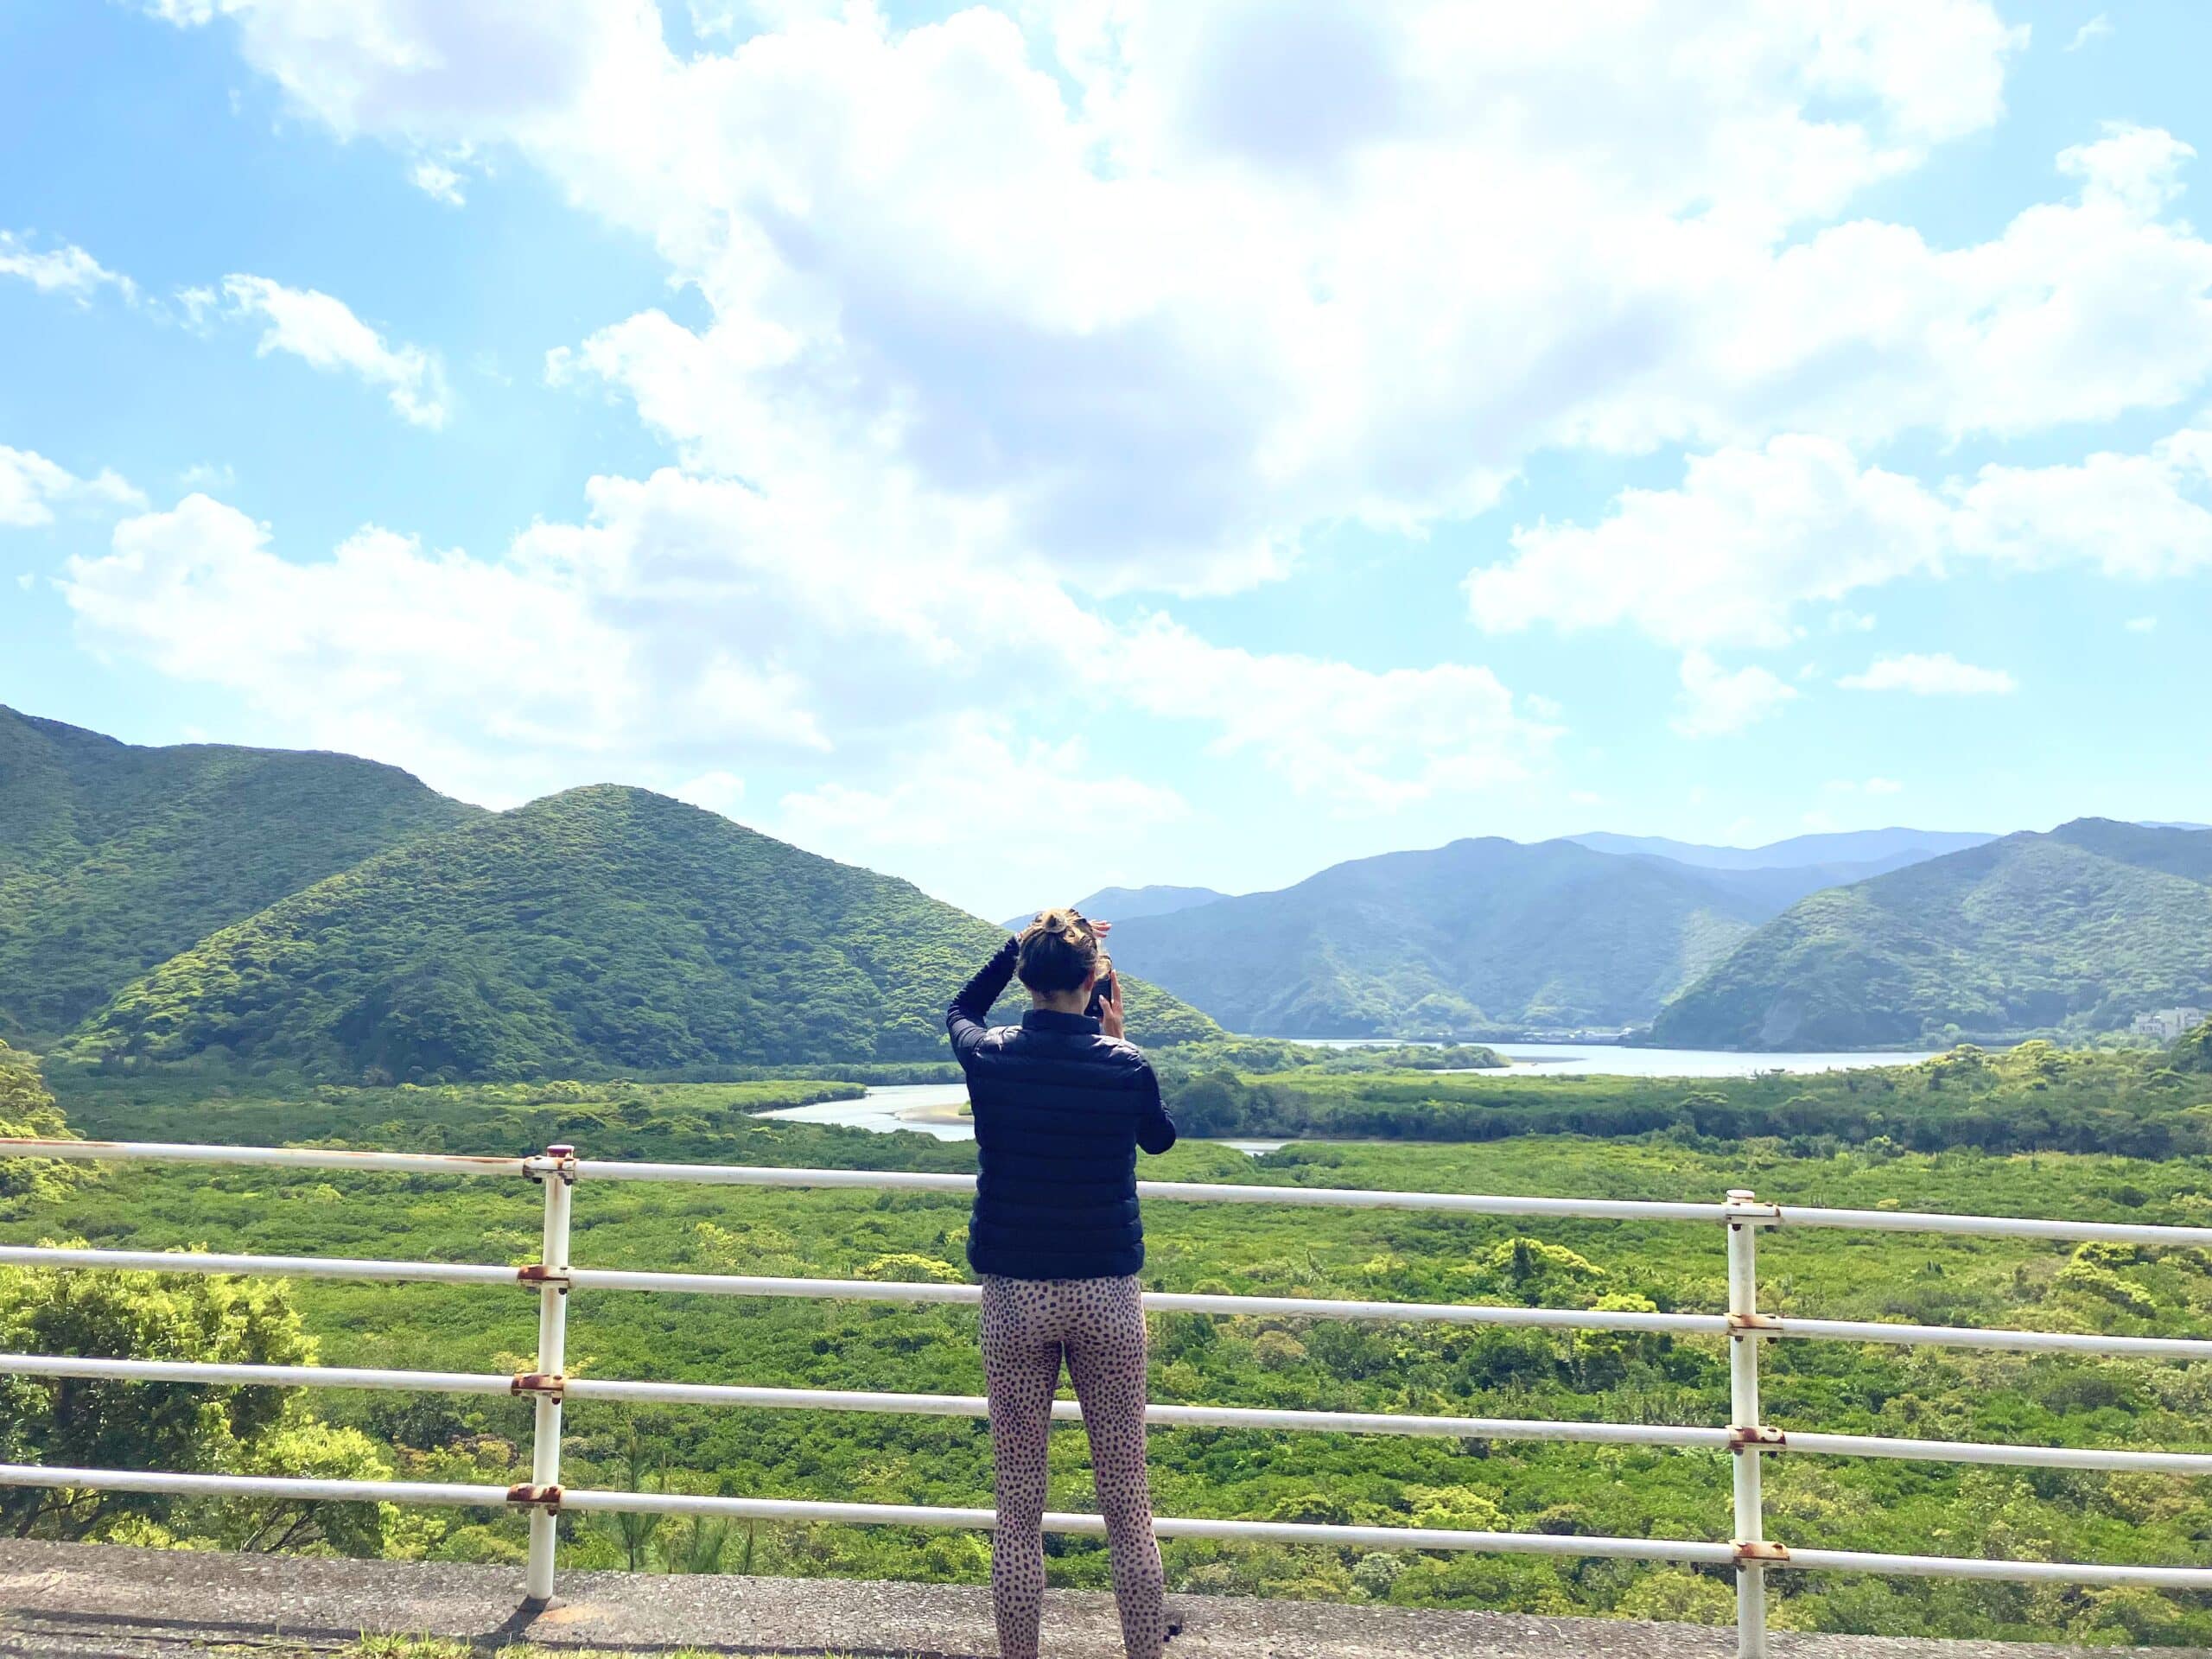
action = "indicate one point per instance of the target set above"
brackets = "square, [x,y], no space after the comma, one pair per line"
[2099,27]
[1727,557]
[1079,269]
[68,269]
[1939,675]
[1716,703]
[696,622]
[2134,169]
[323,331]
[1850,621]
[198,305]
[439,182]
[2141,624]
[1884,786]
[31,487]
[1369,741]
[1751,536]
[935,802]
[718,791]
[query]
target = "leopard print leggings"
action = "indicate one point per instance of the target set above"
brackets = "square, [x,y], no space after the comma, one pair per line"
[1098,1324]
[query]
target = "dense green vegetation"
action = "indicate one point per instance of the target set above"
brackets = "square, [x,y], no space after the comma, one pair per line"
[28,1112]
[604,929]
[113,858]
[2033,1097]
[1937,1508]
[1478,938]
[2194,1051]
[2078,931]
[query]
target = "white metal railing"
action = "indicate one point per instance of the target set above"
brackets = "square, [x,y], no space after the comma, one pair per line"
[1747,1437]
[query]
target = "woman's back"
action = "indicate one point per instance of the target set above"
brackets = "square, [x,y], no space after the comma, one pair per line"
[1060,1111]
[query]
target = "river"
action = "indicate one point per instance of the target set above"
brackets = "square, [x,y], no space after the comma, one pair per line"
[934,1108]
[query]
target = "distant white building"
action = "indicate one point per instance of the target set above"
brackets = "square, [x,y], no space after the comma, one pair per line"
[2168,1025]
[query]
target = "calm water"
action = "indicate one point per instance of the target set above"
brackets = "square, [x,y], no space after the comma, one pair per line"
[933,1108]
[1609,1060]
[895,1106]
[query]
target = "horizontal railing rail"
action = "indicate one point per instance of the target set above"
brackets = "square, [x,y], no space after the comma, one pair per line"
[1746,1438]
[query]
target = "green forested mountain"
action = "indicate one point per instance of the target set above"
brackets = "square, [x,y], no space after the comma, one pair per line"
[113,857]
[1477,936]
[2080,928]
[604,928]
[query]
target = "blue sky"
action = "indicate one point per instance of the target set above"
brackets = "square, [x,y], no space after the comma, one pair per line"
[1111,441]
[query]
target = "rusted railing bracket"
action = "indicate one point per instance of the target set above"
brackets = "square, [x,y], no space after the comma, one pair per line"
[528,1497]
[538,1276]
[554,1160]
[1737,1322]
[546,1382]
[1762,1435]
[1746,1554]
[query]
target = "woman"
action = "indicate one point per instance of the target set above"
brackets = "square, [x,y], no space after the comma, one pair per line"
[1062,1104]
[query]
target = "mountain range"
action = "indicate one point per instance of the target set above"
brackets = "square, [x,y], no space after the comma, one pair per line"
[1848,854]
[1126,904]
[2080,928]
[1479,936]
[323,913]
[1869,938]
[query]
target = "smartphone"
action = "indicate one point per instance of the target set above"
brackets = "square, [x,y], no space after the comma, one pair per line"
[1103,992]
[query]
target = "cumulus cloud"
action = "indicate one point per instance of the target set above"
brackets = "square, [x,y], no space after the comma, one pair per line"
[1753,536]
[688,622]
[1716,703]
[66,269]
[323,332]
[718,791]
[1939,675]
[31,487]
[1074,265]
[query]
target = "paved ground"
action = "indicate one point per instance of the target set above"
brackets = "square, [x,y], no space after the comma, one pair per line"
[63,1599]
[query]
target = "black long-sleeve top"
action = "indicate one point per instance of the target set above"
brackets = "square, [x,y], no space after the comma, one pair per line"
[1060,1111]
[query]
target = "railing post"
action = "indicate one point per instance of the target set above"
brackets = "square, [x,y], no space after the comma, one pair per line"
[1744,1419]
[558,1180]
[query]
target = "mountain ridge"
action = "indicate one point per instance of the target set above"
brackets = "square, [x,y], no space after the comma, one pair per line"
[1119,904]
[604,928]
[114,856]
[1480,935]
[2076,928]
[1874,850]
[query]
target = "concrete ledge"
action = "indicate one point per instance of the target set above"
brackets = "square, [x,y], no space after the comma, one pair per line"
[135,1604]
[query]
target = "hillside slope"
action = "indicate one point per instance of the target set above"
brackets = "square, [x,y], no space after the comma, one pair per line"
[2079,929]
[602,928]
[114,857]
[1479,936]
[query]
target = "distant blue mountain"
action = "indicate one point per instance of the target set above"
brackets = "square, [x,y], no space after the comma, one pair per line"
[1126,904]
[1867,852]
